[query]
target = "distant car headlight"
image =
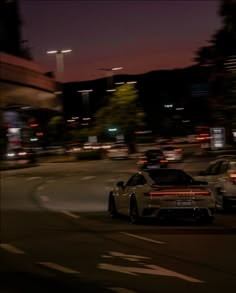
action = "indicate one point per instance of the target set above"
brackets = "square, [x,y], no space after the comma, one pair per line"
[10,154]
[22,153]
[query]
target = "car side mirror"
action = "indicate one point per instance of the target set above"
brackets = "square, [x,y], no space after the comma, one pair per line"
[120,184]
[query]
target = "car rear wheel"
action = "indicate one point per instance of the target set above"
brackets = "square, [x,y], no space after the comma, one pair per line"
[133,212]
[205,220]
[112,206]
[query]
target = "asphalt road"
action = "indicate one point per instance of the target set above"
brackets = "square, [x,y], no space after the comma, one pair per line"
[57,235]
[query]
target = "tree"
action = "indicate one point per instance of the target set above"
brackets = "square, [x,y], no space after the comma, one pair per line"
[215,56]
[223,43]
[57,130]
[122,112]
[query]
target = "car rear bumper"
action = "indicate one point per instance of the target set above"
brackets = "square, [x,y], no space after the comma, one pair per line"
[178,212]
[230,201]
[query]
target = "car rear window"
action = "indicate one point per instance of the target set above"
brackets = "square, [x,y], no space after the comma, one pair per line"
[170,177]
[154,153]
[168,149]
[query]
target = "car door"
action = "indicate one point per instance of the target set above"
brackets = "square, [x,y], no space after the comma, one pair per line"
[212,176]
[220,182]
[125,196]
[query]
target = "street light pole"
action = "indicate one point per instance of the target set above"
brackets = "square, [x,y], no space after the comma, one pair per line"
[59,62]
[110,75]
[59,70]
[85,99]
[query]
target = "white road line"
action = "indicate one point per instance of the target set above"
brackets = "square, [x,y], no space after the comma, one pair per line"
[111,180]
[51,180]
[32,178]
[143,238]
[148,270]
[11,248]
[87,177]
[59,268]
[70,214]
[44,198]
[121,290]
[40,187]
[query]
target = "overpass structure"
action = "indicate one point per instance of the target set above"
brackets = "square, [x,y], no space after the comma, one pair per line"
[23,82]
[23,85]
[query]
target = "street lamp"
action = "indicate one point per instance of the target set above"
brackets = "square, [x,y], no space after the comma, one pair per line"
[60,62]
[110,75]
[85,98]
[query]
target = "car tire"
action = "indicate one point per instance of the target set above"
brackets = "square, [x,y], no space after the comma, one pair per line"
[133,212]
[112,207]
[225,205]
[205,220]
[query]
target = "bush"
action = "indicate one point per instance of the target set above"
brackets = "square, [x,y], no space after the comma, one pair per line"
[90,155]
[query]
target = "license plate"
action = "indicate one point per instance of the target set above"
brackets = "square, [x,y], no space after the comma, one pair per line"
[153,167]
[183,203]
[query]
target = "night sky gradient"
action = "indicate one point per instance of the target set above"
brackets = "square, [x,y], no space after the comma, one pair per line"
[140,35]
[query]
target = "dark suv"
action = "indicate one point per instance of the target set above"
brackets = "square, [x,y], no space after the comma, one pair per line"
[152,159]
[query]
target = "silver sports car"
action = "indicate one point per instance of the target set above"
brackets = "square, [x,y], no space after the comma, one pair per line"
[162,193]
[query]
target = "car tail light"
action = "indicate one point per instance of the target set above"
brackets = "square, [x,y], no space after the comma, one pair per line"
[142,161]
[163,161]
[124,149]
[232,177]
[179,193]
[153,193]
[178,150]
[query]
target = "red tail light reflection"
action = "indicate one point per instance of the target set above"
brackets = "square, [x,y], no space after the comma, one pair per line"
[179,193]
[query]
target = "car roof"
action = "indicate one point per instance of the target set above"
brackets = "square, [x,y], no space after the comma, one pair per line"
[163,170]
[226,157]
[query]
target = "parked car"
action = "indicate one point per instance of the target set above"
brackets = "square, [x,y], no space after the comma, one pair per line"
[118,151]
[17,154]
[152,159]
[221,176]
[162,193]
[172,153]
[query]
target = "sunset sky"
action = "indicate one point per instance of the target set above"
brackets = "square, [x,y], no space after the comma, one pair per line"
[140,36]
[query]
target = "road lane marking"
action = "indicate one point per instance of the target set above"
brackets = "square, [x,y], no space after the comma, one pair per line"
[44,198]
[112,180]
[58,267]
[51,180]
[87,177]
[121,290]
[143,238]
[148,270]
[32,178]
[11,248]
[70,214]
[40,187]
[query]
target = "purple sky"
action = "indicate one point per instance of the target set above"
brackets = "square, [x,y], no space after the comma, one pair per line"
[139,35]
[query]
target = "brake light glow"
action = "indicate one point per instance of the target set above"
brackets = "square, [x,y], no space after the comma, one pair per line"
[142,161]
[232,177]
[179,193]
[163,161]
[178,150]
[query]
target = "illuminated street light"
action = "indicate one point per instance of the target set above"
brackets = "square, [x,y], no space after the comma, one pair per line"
[60,62]
[110,75]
